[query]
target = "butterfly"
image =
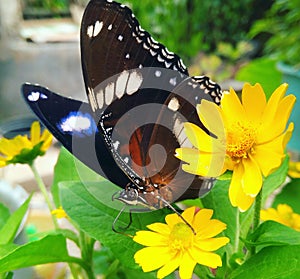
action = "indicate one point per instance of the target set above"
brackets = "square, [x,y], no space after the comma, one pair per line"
[140,95]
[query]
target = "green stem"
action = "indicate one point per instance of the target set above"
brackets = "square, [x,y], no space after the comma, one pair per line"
[256,217]
[43,189]
[85,266]
[87,249]
[237,231]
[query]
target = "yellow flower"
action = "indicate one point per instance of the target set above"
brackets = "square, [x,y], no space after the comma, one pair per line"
[284,215]
[294,169]
[175,244]
[251,139]
[23,150]
[59,213]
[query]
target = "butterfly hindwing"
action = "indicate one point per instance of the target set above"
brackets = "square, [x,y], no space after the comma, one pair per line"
[71,122]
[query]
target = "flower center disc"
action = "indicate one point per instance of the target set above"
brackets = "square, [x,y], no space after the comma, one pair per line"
[181,237]
[240,140]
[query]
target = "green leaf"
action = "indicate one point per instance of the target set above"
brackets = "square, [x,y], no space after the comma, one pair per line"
[4,214]
[95,217]
[282,262]
[261,70]
[289,195]
[10,229]
[272,233]
[218,200]
[274,180]
[68,168]
[238,224]
[49,249]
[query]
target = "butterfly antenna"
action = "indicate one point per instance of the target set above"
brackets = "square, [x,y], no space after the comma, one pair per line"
[121,230]
[178,213]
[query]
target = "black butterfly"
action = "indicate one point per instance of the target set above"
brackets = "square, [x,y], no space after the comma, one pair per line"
[139,95]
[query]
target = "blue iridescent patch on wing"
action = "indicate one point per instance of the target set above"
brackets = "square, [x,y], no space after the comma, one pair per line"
[78,124]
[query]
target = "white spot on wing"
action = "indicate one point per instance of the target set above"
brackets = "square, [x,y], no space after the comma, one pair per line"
[121,84]
[134,82]
[90,31]
[173,104]
[139,40]
[152,52]
[160,59]
[180,135]
[167,54]
[127,56]
[109,93]
[76,123]
[116,145]
[109,27]
[173,81]
[97,28]
[92,100]
[157,73]
[145,46]
[34,96]
[120,38]
[168,64]
[100,98]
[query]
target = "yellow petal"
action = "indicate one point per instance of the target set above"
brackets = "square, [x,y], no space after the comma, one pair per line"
[232,107]
[159,228]
[277,125]
[288,134]
[269,156]
[21,142]
[212,228]
[201,218]
[236,183]
[47,140]
[151,258]
[204,164]
[35,132]
[243,201]
[237,195]
[2,162]
[189,214]
[284,209]
[172,219]
[169,267]
[210,115]
[206,258]
[272,104]
[187,265]
[200,139]
[252,177]
[10,147]
[211,244]
[254,101]
[148,238]
[269,214]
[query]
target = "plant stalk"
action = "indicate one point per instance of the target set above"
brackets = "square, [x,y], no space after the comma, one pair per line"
[43,189]
[256,218]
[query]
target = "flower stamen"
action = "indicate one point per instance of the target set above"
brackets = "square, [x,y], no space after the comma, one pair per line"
[181,237]
[241,138]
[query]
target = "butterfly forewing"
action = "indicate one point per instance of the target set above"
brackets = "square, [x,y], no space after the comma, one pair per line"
[141,95]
